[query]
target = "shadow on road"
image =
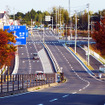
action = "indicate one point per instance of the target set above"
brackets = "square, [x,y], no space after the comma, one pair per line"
[47,98]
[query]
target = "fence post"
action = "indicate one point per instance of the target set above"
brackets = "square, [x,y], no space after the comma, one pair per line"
[22,81]
[13,83]
[55,77]
[1,83]
[18,81]
[7,83]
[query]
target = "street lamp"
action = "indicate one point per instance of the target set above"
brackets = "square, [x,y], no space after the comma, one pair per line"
[75,30]
[88,33]
[70,21]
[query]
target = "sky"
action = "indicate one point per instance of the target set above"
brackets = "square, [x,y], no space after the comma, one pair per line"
[46,5]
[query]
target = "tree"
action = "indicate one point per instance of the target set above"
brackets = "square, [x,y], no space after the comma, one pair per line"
[7,51]
[99,35]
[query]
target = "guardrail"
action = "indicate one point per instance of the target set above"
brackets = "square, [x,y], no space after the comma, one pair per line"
[12,83]
[18,82]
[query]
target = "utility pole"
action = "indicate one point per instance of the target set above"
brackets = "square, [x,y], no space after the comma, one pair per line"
[60,20]
[52,23]
[75,30]
[43,35]
[31,26]
[66,35]
[56,20]
[88,34]
[70,21]
[14,16]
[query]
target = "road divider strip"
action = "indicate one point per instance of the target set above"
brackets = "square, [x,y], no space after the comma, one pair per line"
[52,58]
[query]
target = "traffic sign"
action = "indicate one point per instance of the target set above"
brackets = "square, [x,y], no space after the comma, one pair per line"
[47,18]
[20,32]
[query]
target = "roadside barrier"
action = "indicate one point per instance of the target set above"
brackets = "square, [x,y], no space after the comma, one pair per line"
[11,83]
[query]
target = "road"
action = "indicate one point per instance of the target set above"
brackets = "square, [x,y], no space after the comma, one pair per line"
[27,65]
[80,88]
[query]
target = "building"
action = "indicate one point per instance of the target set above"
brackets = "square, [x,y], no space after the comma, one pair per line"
[4,19]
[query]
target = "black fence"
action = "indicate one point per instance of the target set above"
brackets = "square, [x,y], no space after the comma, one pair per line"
[11,83]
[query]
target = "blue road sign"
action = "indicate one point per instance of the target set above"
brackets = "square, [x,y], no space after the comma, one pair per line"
[20,32]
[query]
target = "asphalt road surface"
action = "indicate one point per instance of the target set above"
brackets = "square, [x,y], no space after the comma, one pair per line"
[80,88]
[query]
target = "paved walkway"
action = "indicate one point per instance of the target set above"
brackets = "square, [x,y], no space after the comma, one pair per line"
[45,61]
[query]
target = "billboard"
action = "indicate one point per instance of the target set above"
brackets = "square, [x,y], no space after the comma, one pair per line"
[20,32]
[47,18]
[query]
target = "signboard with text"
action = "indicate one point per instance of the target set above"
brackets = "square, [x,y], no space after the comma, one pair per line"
[47,18]
[20,32]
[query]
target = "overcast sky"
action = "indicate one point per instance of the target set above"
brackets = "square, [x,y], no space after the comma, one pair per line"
[46,5]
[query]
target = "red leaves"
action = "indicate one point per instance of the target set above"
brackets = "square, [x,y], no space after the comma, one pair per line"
[99,35]
[7,51]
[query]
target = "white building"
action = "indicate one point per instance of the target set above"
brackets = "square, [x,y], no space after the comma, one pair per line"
[4,19]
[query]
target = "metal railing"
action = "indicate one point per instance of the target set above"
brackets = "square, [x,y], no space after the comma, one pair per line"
[10,83]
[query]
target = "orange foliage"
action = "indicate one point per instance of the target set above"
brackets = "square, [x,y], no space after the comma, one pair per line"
[99,36]
[7,51]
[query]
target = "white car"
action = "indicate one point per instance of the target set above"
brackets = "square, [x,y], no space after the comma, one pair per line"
[39,75]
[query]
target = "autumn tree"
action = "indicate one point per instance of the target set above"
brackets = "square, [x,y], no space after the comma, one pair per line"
[99,35]
[7,51]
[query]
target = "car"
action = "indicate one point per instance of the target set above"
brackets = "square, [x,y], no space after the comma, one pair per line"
[35,56]
[39,75]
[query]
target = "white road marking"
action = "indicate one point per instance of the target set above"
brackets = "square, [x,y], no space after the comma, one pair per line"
[74,92]
[80,89]
[88,83]
[40,104]
[65,96]
[53,100]
[23,61]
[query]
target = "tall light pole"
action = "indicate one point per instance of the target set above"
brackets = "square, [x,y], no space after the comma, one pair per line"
[88,34]
[31,26]
[75,30]
[60,19]
[70,21]
[52,23]
[56,20]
